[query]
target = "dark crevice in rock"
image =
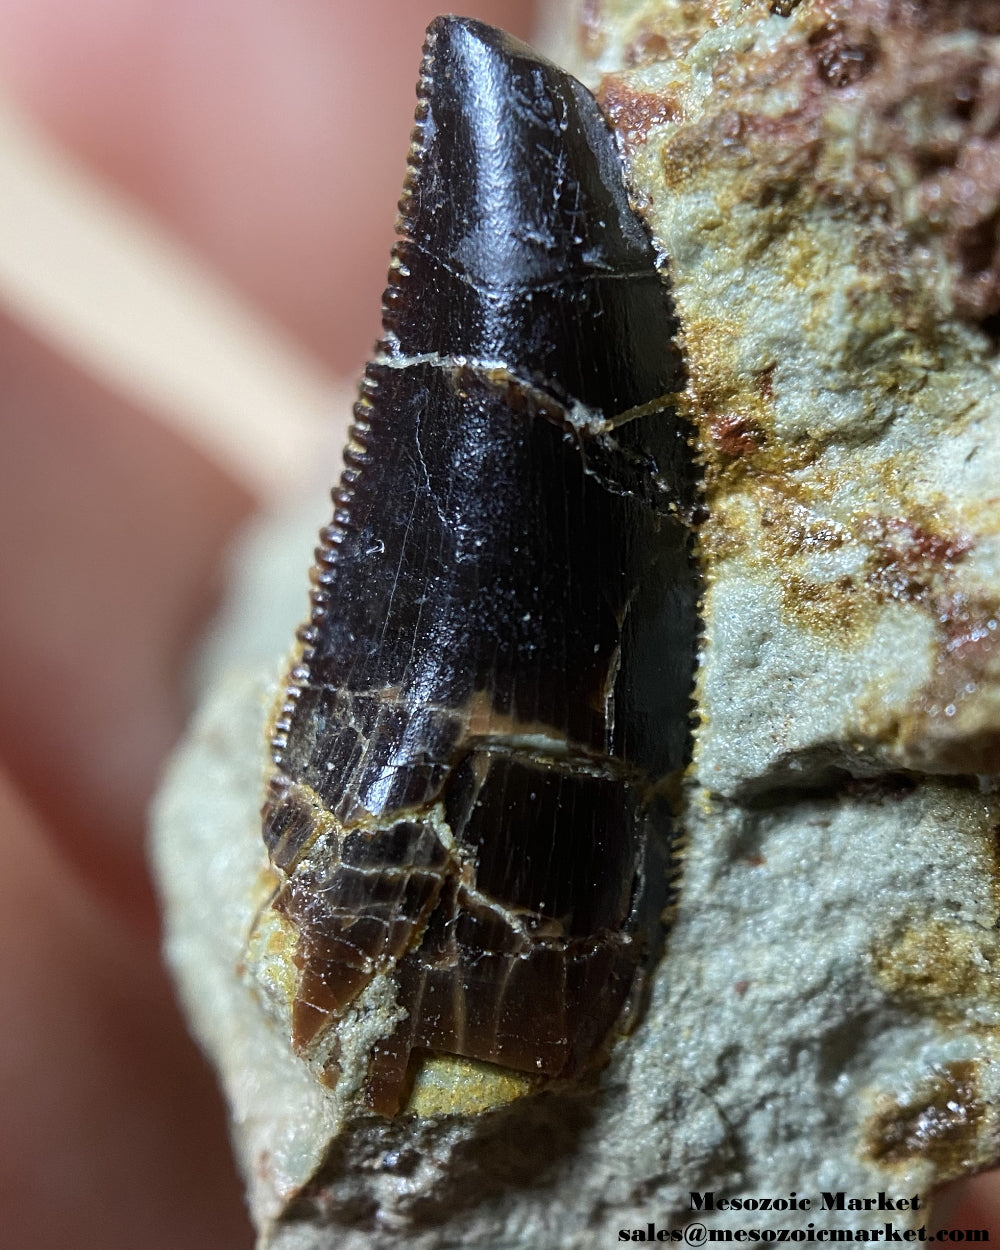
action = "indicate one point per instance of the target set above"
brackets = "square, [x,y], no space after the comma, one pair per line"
[373,1164]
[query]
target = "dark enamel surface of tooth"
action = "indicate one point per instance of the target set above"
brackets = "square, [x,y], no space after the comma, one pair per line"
[518,228]
[504,611]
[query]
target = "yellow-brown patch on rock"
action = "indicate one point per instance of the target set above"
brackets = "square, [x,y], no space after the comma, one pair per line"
[941,1124]
[940,966]
[449,1085]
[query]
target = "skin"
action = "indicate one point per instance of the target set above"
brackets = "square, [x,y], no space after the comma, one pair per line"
[226,118]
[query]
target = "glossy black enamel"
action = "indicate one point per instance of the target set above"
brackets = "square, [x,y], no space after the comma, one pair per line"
[518,231]
[503,630]
[464,592]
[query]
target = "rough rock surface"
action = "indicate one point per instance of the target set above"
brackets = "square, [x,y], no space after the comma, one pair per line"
[825,1019]
[824,179]
[827,188]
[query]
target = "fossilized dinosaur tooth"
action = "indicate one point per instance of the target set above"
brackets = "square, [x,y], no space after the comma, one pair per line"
[517,225]
[495,679]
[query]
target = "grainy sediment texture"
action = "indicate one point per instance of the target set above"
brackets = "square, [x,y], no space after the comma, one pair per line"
[825,184]
[827,189]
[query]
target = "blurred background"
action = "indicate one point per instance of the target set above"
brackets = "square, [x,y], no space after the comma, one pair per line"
[196,208]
